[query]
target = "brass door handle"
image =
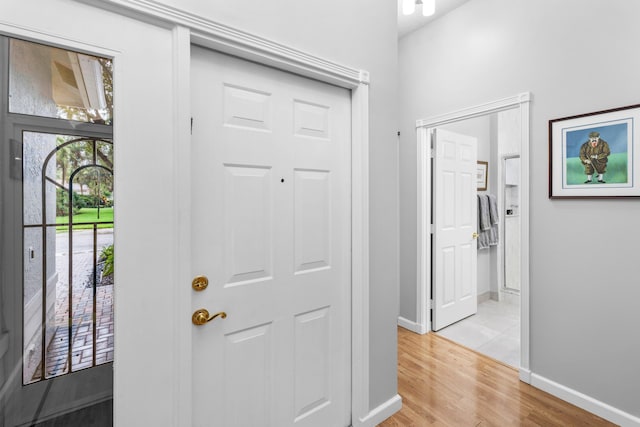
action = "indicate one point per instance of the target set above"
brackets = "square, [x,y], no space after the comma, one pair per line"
[201,316]
[475,235]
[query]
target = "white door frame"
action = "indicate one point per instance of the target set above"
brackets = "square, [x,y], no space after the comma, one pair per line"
[423,293]
[190,29]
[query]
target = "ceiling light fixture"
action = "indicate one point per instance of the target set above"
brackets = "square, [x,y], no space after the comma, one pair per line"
[428,6]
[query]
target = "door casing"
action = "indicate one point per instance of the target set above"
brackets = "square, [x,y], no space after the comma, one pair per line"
[424,129]
[358,83]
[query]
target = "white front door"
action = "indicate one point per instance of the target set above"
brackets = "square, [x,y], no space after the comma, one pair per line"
[271,232]
[455,224]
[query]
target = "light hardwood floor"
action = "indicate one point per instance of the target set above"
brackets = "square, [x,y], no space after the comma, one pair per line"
[445,384]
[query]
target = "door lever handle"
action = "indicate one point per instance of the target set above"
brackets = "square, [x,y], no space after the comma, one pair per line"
[201,316]
[475,235]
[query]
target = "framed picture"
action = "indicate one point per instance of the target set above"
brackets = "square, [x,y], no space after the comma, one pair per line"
[482,175]
[594,155]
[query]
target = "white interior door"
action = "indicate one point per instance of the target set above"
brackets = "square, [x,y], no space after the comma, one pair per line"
[455,224]
[271,232]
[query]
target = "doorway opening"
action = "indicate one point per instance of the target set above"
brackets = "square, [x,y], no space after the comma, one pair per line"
[504,124]
[494,329]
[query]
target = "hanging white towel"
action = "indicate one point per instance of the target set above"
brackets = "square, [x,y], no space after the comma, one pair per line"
[493,209]
[494,236]
[484,222]
[487,221]
[484,217]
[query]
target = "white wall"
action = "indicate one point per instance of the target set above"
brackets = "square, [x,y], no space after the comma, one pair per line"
[358,33]
[575,56]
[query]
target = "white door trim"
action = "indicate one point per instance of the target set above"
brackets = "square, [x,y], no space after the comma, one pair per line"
[220,37]
[190,29]
[423,130]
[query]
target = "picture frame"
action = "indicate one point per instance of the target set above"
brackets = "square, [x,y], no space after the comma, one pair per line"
[482,175]
[594,155]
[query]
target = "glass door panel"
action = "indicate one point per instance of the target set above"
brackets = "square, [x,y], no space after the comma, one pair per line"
[68,242]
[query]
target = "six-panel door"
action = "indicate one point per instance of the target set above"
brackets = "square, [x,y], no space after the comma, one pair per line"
[271,230]
[455,224]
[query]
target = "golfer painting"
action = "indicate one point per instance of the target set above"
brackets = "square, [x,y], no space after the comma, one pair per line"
[597,156]
[594,155]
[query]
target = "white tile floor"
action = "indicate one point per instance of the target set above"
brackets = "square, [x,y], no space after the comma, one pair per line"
[493,331]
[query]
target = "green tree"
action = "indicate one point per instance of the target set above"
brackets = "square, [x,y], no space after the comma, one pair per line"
[81,153]
[100,183]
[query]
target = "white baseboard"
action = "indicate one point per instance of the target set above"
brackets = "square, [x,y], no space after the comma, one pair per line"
[486,296]
[381,413]
[585,402]
[525,375]
[412,326]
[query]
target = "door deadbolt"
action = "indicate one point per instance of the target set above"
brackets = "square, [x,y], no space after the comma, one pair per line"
[200,283]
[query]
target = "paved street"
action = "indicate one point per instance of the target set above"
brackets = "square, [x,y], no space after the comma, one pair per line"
[82,256]
[83,241]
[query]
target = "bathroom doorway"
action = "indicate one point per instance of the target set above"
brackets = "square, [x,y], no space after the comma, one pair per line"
[500,328]
[494,329]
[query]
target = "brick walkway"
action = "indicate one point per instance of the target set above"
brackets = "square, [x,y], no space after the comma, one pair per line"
[82,333]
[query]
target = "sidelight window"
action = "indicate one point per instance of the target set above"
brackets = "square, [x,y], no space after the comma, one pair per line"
[60,107]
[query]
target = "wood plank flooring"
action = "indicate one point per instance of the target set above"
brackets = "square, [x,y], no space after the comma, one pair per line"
[445,384]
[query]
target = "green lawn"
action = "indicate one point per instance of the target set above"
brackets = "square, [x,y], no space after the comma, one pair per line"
[87,215]
[616,170]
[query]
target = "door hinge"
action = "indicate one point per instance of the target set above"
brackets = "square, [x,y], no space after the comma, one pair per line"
[191,125]
[430,304]
[431,228]
[432,153]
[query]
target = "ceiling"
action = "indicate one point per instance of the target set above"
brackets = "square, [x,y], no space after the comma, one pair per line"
[406,24]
